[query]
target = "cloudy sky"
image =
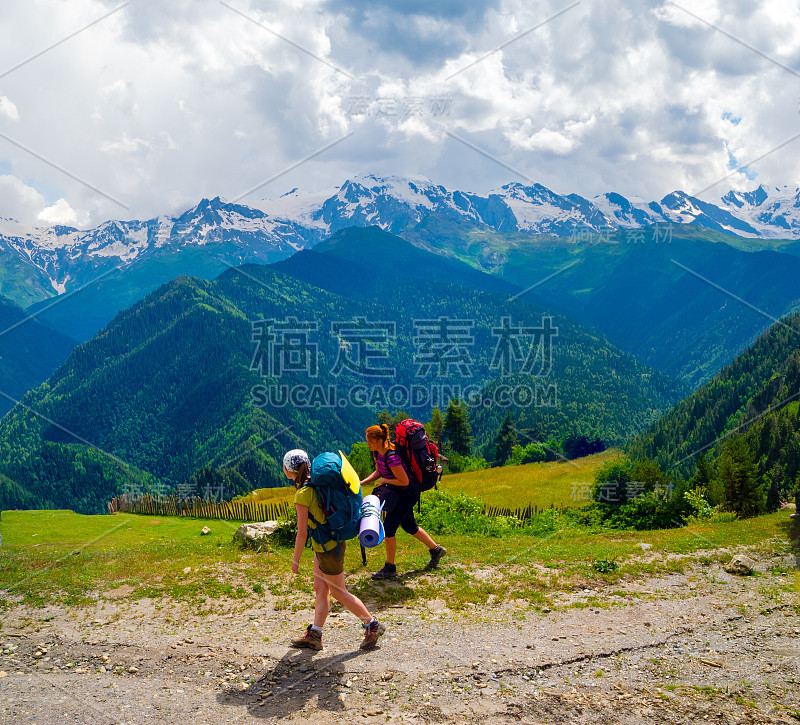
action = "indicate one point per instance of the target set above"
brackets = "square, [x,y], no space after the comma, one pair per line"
[130,110]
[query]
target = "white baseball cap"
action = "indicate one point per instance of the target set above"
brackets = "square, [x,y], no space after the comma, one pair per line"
[294,459]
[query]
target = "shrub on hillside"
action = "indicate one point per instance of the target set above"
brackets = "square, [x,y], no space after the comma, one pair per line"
[444,512]
[456,463]
[637,495]
[702,510]
[532,453]
[286,532]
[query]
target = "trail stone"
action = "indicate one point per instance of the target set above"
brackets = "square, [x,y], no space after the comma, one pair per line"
[645,547]
[740,564]
[253,534]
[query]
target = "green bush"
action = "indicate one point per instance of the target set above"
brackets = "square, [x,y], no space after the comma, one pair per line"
[548,521]
[456,463]
[605,566]
[702,510]
[286,532]
[638,495]
[532,453]
[443,512]
[723,517]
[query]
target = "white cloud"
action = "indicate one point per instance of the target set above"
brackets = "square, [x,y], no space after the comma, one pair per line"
[26,205]
[19,201]
[161,104]
[62,213]
[125,145]
[8,109]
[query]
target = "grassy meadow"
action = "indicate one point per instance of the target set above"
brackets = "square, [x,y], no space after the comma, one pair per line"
[59,557]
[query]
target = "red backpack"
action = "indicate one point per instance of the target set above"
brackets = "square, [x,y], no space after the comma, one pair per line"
[420,454]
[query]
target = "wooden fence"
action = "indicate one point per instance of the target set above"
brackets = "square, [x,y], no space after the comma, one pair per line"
[253,511]
[199,508]
[523,513]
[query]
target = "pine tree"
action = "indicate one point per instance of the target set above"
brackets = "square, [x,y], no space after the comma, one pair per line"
[774,483]
[435,426]
[456,428]
[704,473]
[738,479]
[505,440]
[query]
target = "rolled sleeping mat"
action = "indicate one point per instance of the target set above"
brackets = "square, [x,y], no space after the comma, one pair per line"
[370,532]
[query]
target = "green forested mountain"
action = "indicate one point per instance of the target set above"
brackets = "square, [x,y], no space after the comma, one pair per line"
[29,352]
[755,398]
[602,392]
[643,288]
[170,388]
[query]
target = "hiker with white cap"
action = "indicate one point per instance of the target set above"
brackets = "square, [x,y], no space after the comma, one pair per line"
[328,555]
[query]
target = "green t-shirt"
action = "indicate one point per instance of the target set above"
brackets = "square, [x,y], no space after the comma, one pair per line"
[307,496]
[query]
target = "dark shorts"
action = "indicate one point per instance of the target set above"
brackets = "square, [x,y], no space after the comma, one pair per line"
[398,508]
[331,562]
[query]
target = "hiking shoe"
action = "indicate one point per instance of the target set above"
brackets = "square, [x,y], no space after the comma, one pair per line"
[389,571]
[310,640]
[436,555]
[374,629]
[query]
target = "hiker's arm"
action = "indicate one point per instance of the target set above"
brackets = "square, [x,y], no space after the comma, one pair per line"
[374,476]
[401,476]
[302,535]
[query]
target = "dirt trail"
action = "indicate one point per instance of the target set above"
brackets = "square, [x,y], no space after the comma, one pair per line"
[702,646]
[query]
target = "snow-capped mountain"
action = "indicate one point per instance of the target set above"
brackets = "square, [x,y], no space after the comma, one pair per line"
[769,211]
[69,257]
[65,258]
[395,203]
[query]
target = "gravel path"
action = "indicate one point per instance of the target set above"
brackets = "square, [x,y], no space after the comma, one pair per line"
[702,646]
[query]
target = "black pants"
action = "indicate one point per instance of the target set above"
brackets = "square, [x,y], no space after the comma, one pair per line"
[398,507]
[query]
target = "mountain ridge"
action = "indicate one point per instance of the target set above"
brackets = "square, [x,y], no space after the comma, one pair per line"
[65,258]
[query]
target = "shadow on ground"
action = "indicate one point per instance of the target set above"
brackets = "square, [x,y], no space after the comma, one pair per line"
[299,678]
[380,595]
[792,529]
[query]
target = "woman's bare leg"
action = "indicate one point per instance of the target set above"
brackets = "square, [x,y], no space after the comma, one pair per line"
[425,538]
[336,585]
[322,596]
[391,549]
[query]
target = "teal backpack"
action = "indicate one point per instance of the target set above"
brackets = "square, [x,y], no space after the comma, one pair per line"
[339,492]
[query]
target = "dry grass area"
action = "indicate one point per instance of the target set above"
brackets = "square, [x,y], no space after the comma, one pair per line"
[561,483]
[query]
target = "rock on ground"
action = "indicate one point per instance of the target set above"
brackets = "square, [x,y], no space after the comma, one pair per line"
[740,564]
[253,534]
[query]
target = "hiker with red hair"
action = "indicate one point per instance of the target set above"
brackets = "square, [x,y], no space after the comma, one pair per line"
[398,493]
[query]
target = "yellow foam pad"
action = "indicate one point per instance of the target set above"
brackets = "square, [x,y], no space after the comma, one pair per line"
[349,475]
